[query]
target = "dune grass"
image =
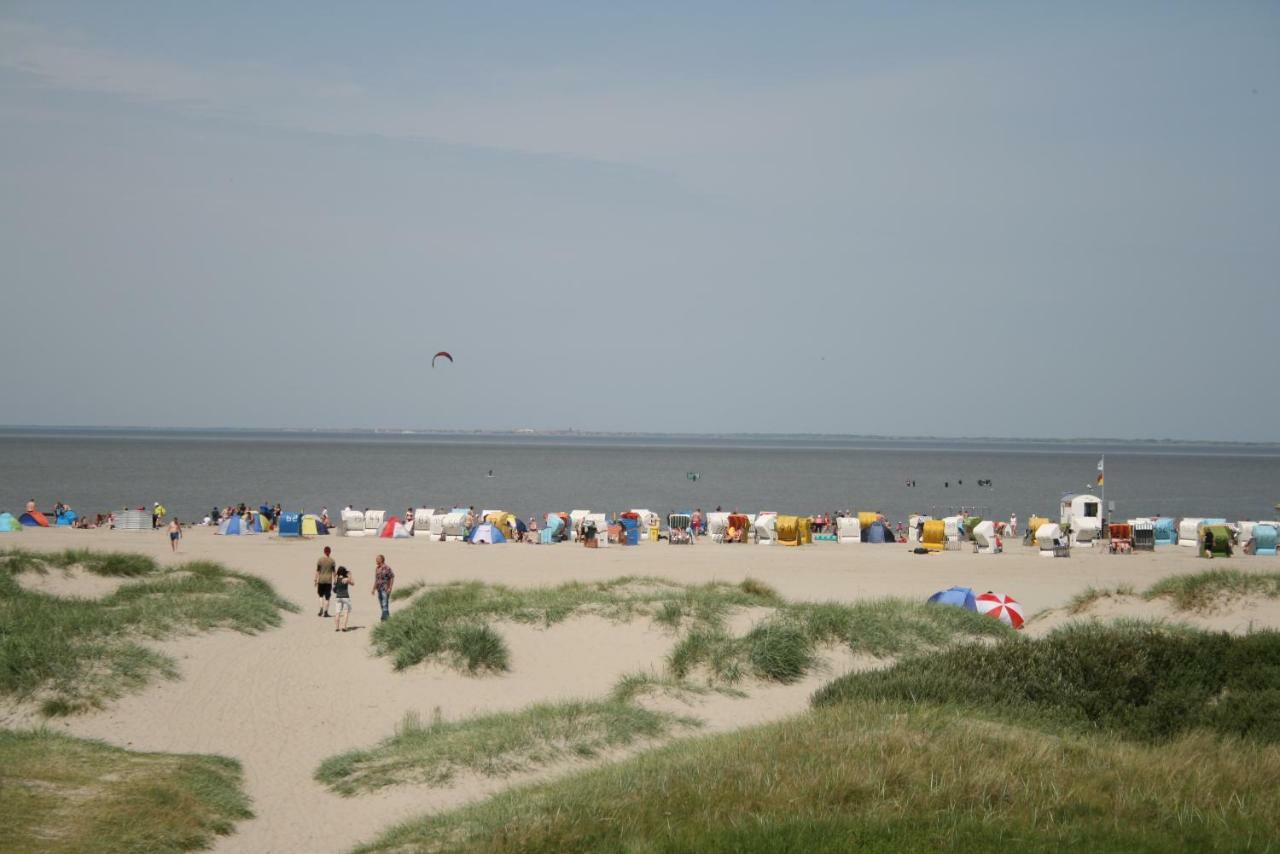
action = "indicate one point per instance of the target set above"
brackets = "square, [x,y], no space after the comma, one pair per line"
[69,654]
[1204,590]
[884,777]
[1201,591]
[1113,739]
[1142,681]
[784,647]
[450,623]
[60,795]
[495,745]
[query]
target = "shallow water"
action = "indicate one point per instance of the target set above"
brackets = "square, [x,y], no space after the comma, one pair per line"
[190,472]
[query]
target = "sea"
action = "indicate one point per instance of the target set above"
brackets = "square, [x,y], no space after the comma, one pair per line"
[190,471]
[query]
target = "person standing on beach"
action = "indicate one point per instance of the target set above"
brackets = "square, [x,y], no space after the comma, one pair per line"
[383,580]
[175,534]
[1013,524]
[324,581]
[342,592]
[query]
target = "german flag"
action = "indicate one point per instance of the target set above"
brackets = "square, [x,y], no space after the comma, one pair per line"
[1100,472]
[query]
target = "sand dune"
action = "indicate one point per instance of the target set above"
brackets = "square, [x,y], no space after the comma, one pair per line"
[283,701]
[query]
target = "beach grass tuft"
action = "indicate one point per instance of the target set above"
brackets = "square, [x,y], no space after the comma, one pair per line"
[441,621]
[399,594]
[64,794]
[69,654]
[495,745]
[1145,681]
[1204,591]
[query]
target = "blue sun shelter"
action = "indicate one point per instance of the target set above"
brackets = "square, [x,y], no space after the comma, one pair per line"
[8,524]
[234,526]
[960,597]
[290,525]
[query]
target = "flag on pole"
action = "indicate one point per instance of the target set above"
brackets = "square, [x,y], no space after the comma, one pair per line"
[1100,472]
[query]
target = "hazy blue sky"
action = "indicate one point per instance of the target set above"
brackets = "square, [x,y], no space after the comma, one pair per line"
[950,219]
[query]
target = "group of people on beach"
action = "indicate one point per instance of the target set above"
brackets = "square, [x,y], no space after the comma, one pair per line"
[333,582]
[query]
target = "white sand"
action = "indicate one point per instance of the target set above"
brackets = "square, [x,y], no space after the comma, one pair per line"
[285,700]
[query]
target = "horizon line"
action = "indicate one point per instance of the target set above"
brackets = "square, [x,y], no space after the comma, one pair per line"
[571,432]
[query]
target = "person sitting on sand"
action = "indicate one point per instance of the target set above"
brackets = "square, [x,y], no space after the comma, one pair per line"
[175,534]
[342,592]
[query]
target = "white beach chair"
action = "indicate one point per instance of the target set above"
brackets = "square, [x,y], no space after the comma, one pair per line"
[575,522]
[454,526]
[422,522]
[848,530]
[373,522]
[984,537]
[717,526]
[1051,542]
[766,529]
[353,523]
[601,521]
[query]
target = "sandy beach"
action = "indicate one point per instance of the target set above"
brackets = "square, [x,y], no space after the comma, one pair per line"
[283,701]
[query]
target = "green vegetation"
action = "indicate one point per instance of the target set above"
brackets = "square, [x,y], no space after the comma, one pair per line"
[63,795]
[784,647]
[495,745]
[1141,681]
[1203,590]
[1114,739]
[406,591]
[450,622]
[71,654]
[882,777]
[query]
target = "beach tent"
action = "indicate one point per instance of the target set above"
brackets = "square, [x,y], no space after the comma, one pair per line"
[234,526]
[848,530]
[374,522]
[1221,540]
[33,519]
[935,535]
[261,523]
[984,536]
[1264,537]
[878,533]
[290,525]
[960,597]
[393,528]
[8,524]
[1166,531]
[503,521]
[313,526]
[486,533]
[353,523]
[66,518]
[1048,537]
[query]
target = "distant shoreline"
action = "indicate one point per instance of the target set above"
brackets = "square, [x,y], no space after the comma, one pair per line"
[28,430]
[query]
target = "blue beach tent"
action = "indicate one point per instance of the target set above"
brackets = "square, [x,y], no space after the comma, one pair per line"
[234,526]
[876,533]
[290,525]
[961,597]
[8,524]
[486,533]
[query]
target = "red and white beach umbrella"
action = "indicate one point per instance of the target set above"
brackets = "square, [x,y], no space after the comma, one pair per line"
[1000,607]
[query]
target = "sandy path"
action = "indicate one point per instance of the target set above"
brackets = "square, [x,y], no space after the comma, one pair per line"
[283,701]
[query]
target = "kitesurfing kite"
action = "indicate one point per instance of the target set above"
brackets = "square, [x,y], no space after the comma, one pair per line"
[438,355]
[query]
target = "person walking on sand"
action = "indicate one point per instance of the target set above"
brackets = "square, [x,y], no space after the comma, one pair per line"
[175,534]
[324,581]
[383,580]
[342,592]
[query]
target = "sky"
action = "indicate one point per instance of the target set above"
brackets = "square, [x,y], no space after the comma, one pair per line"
[1013,219]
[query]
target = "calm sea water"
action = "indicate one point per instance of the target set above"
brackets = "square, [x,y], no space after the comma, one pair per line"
[190,472]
